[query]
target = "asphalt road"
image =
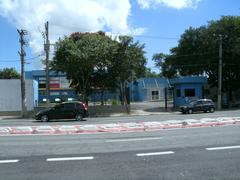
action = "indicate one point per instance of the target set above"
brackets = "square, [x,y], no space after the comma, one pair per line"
[104,120]
[196,153]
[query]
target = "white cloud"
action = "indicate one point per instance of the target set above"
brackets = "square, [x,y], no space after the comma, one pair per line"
[177,4]
[67,16]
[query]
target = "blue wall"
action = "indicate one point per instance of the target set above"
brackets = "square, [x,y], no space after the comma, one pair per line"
[182,100]
[140,90]
[183,83]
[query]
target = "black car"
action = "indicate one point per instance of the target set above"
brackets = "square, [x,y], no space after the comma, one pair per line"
[205,105]
[66,110]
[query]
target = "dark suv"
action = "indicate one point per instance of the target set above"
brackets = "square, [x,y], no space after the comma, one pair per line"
[66,110]
[205,105]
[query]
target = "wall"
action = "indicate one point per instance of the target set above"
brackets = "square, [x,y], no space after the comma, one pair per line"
[143,87]
[182,100]
[10,95]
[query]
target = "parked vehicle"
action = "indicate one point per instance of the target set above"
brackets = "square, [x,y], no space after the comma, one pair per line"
[205,105]
[66,110]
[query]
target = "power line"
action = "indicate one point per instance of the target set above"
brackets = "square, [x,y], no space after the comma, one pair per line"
[35,57]
[141,36]
[155,37]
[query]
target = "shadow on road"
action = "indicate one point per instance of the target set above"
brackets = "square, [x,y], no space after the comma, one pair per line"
[58,120]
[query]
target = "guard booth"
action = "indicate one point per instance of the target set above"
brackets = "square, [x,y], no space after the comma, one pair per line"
[186,89]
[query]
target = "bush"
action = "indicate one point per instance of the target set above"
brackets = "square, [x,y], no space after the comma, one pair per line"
[114,102]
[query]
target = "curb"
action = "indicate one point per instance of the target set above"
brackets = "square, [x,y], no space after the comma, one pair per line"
[117,127]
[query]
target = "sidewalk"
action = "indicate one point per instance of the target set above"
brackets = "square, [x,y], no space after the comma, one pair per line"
[139,113]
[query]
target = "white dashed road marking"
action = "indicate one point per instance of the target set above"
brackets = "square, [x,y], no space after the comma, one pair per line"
[222,148]
[9,161]
[155,153]
[133,139]
[71,158]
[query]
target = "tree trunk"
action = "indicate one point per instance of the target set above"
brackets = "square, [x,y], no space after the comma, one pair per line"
[85,97]
[125,99]
[102,93]
[121,94]
[230,98]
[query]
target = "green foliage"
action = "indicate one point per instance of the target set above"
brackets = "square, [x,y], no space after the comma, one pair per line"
[151,74]
[95,61]
[114,102]
[128,64]
[9,73]
[129,61]
[80,56]
[198,53]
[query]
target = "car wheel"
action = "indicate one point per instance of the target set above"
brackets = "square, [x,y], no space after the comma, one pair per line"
[44,118]
[79,117]
[212,110]
[190,111]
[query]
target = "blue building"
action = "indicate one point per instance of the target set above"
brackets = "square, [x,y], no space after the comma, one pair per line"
[148,89]
[58,85]
[186,89]
[181,90]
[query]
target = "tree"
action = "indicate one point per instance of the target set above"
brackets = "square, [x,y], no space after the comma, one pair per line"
[197,53]
[94,61]
[9,73]
[151,74]
[81,56]
[128,64]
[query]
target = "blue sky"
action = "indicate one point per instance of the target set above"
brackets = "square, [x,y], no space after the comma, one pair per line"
[159,25]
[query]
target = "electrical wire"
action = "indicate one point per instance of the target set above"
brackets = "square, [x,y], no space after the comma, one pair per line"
[35,57]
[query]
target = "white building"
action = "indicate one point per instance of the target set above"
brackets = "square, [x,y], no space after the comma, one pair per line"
[10,95]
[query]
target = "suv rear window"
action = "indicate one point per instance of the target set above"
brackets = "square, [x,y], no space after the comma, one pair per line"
[207,102]
[69,106]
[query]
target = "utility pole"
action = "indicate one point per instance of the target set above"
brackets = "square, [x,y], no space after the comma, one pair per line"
[219,104]
[47,49]
[22,55]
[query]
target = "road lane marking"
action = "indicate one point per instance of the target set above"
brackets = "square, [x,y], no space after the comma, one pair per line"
[222,148]
[133,139]
[71,158]
[9,161]
[155,153]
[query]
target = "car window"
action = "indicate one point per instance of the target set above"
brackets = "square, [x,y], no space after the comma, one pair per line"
[207,103]
[69,106]
[58,106]
[198,103]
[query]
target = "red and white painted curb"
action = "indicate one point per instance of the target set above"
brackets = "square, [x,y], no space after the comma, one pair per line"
[118,127]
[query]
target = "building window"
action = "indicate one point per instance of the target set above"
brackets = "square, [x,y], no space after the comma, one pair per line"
[178,92]
[42,93]
[155,95]
[64,93]
[54,93]
[189,92]
[41,85]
